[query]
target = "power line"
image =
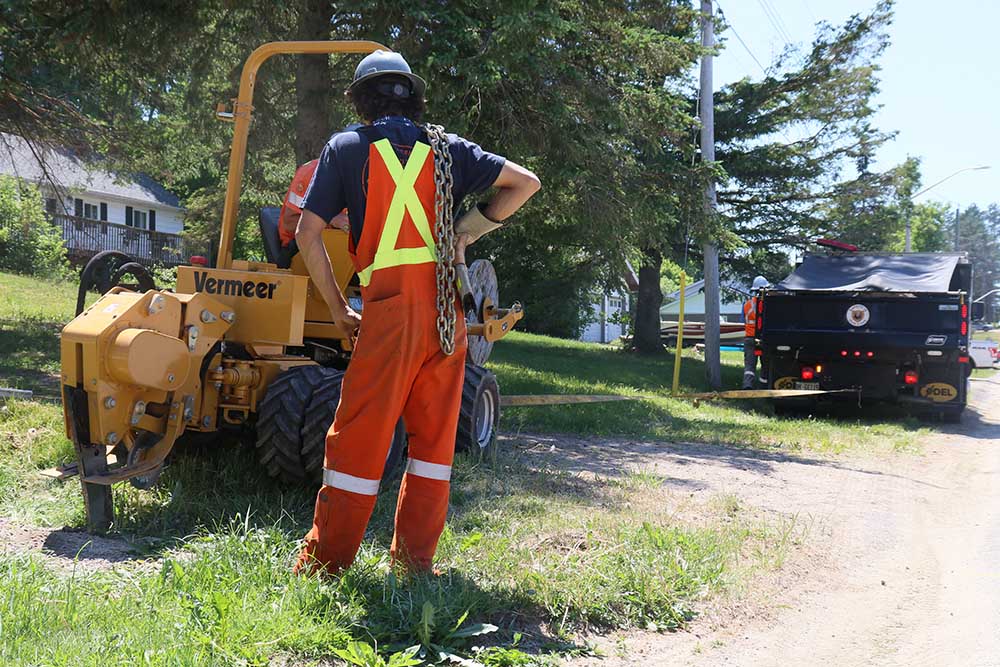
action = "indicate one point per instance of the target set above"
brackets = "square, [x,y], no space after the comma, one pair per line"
[780,18]
[774,20]
[775,17]
[740,39]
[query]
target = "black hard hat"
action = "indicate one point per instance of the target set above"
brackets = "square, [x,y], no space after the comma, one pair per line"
[381,63]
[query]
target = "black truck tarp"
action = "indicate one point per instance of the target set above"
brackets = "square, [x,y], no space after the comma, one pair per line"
[914,272]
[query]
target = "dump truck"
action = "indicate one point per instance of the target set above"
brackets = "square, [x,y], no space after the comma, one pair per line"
[892,327]
[244,347]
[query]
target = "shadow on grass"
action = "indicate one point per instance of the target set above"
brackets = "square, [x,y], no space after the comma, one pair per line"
[207,486]
[77,544]
[30,358]
[210,487]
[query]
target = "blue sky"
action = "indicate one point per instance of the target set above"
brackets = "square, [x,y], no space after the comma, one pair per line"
[940,80]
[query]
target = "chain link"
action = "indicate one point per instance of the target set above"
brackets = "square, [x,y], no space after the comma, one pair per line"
[444,231]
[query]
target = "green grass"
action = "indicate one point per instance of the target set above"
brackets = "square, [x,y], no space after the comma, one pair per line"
[32,313]
[535,550]
[529,364]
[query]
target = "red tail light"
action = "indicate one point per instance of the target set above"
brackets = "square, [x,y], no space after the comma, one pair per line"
[963,360]
[758,353]
[198,260]
[857,353]
[843,353]
[807,373]
[869,354]
[965,328]
[911,377]
[965,311]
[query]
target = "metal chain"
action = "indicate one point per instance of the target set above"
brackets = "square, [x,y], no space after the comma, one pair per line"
[444,231]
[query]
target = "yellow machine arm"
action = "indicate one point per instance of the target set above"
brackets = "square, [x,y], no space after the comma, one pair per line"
[241,112]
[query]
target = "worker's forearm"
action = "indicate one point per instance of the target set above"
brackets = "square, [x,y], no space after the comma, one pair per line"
[318,264]
[506,202]
[515,186]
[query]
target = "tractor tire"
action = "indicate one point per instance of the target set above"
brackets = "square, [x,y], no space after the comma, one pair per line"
[319,416]
[98,275]
[280,418]
[479,415]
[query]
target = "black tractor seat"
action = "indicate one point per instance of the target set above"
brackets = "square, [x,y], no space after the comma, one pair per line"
[273,250]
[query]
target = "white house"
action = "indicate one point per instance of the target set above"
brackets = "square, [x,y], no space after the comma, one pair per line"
[607,312]
[98,209]
[609,309]
[731,295]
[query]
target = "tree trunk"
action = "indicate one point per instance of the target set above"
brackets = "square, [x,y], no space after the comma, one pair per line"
[647,319]
[313,83]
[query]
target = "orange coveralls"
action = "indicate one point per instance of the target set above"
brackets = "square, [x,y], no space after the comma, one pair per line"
[397,368]
[293,200]
[749,343]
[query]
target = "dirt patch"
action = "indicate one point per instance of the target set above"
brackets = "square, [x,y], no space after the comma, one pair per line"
[899,567]
[70,549]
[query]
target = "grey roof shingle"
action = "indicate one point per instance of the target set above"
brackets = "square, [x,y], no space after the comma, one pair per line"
[70,172]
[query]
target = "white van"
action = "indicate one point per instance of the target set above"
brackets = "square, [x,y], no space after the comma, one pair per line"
[983,353]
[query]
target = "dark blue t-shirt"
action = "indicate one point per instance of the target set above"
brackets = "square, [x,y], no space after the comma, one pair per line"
[341,178]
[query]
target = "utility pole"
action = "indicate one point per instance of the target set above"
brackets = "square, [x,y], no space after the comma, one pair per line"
[713,369]
[956,227]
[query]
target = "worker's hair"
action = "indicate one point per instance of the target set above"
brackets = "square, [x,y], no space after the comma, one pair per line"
[372,103]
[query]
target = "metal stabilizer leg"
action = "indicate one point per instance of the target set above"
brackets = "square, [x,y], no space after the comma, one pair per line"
[96,497]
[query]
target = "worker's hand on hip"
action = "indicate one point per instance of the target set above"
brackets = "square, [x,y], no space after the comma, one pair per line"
[347,320]
[462,241]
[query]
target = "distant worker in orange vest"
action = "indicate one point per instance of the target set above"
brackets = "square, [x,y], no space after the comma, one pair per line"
[750,331]
[291,208]
[384,175]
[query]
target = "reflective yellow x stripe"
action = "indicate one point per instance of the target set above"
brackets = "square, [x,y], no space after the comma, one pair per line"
[404,199]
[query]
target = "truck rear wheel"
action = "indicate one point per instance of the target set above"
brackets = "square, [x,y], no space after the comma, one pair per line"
[281,417]
[319,416]
[952,415]
[480,411]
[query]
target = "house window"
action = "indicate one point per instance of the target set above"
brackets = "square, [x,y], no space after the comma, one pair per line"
[140,219]
[91,211]
[50,204]
[615,304]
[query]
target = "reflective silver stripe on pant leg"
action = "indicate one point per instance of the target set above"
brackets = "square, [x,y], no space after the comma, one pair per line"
[345,482]
[429,470]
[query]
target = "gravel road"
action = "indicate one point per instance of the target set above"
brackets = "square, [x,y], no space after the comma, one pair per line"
[902,565]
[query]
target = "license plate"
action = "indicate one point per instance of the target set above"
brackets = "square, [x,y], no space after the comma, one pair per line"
[808,386]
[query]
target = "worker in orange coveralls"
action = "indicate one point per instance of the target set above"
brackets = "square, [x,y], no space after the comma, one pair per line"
[750,333]
[291,208]
[383,173]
